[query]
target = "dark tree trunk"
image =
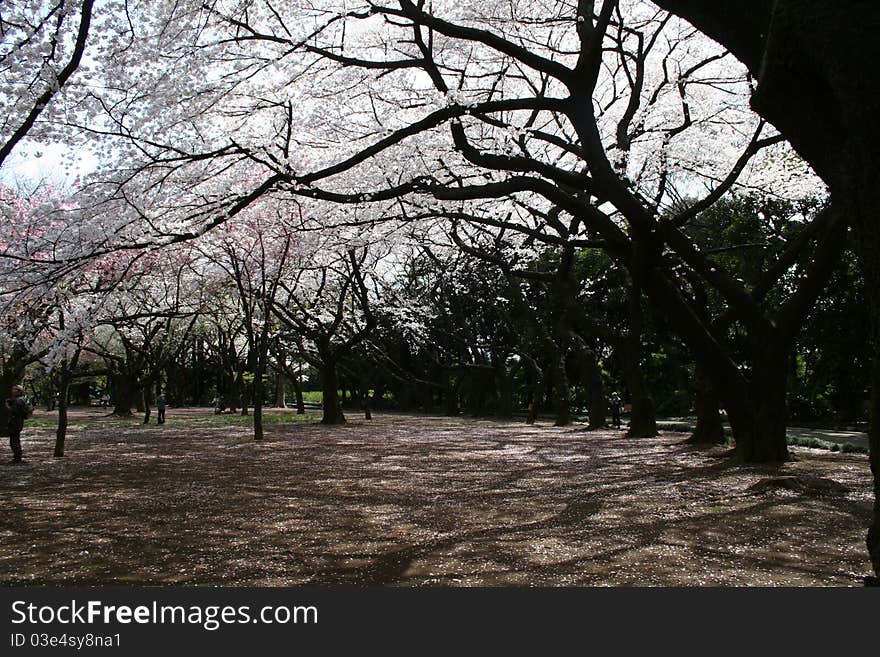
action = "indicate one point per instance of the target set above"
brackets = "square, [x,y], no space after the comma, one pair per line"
[280,391]
[403,396]
[872,539]
[123,395]
[560,389]
[759,420]
[643,416]
[365,401]
[378,396]
[200,369]
[478,383]
[364,395]
[535,382]
[817,86]
[709,429]
[450,394]
[329,385]
[868,233]
[592,381]
[7,380]
[428,398]
[505,389]
[258,405]
[241,394]
[298,394]
[61,431]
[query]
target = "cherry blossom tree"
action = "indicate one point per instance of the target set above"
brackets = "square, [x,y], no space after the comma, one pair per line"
[810,60]
[257,254]
[41,46]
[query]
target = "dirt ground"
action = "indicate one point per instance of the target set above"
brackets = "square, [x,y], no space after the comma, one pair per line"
[418,501]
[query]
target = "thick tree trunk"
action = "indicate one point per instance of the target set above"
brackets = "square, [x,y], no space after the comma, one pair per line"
[710,428]
[872,540]
[751,425]
[868,234]
[478,384]
[7,380]
[759,420]
[561,392]
[329,385]
[817,87]
[643,416]
[123,395]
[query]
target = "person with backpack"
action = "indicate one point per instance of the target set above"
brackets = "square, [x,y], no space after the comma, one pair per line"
[19,410]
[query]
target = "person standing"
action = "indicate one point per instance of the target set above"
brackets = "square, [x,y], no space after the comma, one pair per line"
[18,411]
[616,408]
[160,407]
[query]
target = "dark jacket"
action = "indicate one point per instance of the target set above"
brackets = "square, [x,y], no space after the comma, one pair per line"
[17,413]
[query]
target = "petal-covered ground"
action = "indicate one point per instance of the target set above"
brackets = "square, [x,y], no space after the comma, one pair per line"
[414,501]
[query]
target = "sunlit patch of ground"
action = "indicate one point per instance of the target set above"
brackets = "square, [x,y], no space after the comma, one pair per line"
[414,501]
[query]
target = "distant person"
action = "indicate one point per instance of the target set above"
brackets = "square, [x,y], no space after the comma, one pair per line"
[105,400]
[160,406]
[218,405]
[616,408]
[19,410]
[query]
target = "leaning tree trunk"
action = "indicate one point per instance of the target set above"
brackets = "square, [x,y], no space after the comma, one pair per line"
[329,386]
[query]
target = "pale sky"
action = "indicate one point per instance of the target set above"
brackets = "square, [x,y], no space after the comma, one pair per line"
[31,163]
